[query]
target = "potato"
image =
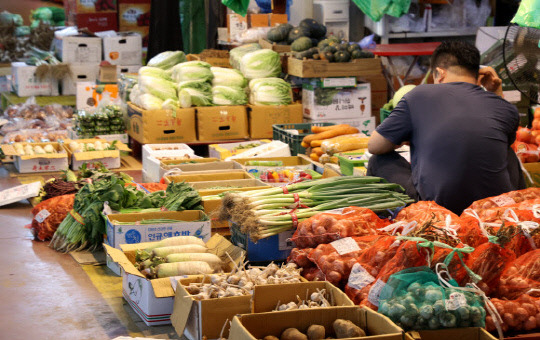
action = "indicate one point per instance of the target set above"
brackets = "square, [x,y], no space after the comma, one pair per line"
[270,337]
[292,334]
[347,329]
[316,332]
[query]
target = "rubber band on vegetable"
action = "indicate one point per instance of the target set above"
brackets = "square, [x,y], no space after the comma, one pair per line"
[285,190]
[294,219]
[296,198]
[77,216]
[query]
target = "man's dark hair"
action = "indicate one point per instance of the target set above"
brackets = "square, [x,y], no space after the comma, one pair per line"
[456,53]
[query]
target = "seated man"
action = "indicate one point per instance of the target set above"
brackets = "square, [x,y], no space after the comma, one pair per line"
[459,134]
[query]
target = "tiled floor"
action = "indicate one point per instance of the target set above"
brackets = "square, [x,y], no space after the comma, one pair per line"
[47,295]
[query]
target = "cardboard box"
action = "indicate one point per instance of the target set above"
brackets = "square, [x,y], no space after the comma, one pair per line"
[174,167]
[469,333]
[193,225]
[214,60]
[366,125]
[89,94]
[78,49]
[262,117]
[111,73]
[277,19]
[25,83]
[322,68]
[331,103]
[133,13]
[78,73]
[236,25]
[257,326]
[124,49]
[204,319]
[123,137]
[38,163]
[154,169]
[206,176]
[153,154]
[92,6]
[225,150]
[222,122]
[267,297]
[273,248]
[153,299]
[122,69]
[161,126]
[109,158]
[96,22]
[259,20]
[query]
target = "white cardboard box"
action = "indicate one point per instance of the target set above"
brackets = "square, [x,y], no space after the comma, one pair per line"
[89,95]
[57,161]
[118,234]
[121,69]
[81,50]
[78,73]
[152,154]
[366,125]
[25,83]
[346,103]
[124,49]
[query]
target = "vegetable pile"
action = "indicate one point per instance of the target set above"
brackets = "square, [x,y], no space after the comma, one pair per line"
[107,120]
[32,150]
[326,141]
[527,141]
[341,329]
[98,145]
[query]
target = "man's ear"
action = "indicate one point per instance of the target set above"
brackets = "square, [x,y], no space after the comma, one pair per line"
[441,74]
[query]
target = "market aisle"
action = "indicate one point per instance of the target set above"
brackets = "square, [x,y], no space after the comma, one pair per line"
[47,295]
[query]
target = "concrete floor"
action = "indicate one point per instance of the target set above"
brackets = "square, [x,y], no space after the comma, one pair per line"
[47,295]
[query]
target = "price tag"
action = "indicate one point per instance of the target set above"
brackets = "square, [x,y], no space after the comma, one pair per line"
[339,82]
[285,242]
[503,201]
[42,215]
[375,292]
[345,245]
[455,300]
[359,277]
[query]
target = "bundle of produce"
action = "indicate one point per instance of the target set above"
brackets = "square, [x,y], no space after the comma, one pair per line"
[192,70]
[229,95]
[228,77]
[409,254]
[30,110]
[520,276]
[194,93]
[263,213]
[428,211]
[65,185]
[262,63]
[506,199]
[415,299]
[167,60]
[329,140]
[84,227]
[313,274]
[327,227]
[98,145]
[241,281]
[270,91]
[53,16]
[521,314]
[49,214]
[341,329]
[335,260]
[104,121]
[155,88]
[236,54]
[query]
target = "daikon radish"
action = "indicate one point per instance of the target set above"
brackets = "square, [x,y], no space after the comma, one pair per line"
[187,248]
[213,260]
[176,241]
[183,268]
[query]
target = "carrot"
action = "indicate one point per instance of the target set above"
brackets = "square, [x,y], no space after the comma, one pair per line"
[316,143]
[318,129]
[318,151]
[304,144]
[347,130]
[176,241]
[314,157]
[183,268]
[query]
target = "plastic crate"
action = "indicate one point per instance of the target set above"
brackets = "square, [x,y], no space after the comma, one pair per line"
[347,165]
[294,140]
[273,248]
[384,114]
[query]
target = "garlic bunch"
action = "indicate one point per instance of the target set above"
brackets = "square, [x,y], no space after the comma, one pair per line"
[316,300]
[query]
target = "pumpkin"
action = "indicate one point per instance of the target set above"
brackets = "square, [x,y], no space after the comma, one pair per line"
[353,47]
[367,54]
[327,56]
[342,56]
[301,44]
[323,43]
[296,33]
[344,46]
[331,49]
[356,54]
[276,34]
[316,30]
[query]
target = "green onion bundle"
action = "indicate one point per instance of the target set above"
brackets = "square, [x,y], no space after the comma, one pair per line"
[264,213]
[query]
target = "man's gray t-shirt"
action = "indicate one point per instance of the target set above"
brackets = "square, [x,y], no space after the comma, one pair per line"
[460,137]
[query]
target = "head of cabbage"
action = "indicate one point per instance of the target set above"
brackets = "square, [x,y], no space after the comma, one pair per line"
[261,64]
[228,77]
[166,60]
[192,70]
[229,95]
[270,91]
[188,97]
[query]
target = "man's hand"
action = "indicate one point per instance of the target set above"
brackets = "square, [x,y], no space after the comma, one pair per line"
[488,78]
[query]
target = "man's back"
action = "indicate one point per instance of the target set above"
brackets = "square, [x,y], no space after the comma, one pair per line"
[460,137]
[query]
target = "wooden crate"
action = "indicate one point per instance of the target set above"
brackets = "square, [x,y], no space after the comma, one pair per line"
[273,46]
[322,68]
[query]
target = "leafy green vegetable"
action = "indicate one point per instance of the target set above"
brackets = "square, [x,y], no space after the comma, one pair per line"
[200,85]
[149,102]
[228,77]
[261,64]
[158,87]
[166,60]
[225,95]
[192,70]
[155,72]
[192,97]
[270,91]
[236,54]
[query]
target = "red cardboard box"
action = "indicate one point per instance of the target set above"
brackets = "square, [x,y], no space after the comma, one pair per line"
[97,22]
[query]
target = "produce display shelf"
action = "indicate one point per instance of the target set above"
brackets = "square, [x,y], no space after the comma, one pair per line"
[294,140]
[9,98]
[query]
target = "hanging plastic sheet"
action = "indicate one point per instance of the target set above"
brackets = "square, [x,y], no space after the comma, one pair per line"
[237,6]
[528,14]
[193,22]
[376,9]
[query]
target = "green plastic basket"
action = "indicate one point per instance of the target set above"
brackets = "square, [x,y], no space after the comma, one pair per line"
[384,114]
[347,165]
[294,140]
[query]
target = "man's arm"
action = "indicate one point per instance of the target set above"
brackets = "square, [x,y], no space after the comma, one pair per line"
[379,145]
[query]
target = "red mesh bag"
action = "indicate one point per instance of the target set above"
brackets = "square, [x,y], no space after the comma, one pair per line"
[427,211]
[469,231]
[376,256]
[488,261]
[504,200]
[520,276]
[334,266]
[521,314]
[300,257]
[326,227]
[57,208]
[313,274]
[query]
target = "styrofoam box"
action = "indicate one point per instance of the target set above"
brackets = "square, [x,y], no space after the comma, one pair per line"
[25,83]
[78,49]
[272,149]
[180,150]
[78,72]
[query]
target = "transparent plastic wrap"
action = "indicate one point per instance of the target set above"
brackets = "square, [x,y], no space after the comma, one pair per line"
[344,143]
[34,136]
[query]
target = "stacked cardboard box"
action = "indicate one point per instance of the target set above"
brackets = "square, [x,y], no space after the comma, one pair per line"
[96,15]
[134,16]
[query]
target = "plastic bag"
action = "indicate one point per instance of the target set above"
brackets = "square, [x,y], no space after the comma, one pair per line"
[414,299]
[49,214]
[520,314]
[376,9]
[528,14]
[520,276]
[326,227]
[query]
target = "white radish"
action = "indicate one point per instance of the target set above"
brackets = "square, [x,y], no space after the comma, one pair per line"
[183,268]
[188,248]
[176,241]
[213,260]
